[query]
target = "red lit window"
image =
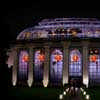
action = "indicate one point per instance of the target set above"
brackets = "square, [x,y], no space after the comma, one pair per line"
[93,58]
[41,57]
[25,58]
[75,58]
[58,57]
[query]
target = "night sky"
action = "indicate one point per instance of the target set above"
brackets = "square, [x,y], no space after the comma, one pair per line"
[17,16]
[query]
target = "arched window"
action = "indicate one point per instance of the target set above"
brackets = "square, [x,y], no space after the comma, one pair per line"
[23,65]
[94,65]
[75,63]
[39,58]
[56,65]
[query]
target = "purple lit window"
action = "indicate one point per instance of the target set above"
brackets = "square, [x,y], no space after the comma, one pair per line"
[56,65]
[94,66]
[23,65]
[38,65]
[75,63]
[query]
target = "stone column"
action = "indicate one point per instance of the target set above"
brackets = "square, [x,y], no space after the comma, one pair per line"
[30,73]
[65,62]
[85,63]
[46,67]
[14,68]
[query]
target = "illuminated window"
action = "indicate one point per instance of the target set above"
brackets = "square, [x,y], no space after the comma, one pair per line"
[56,65]
[23,65]
[94,65]
[75,63]
[27,35]
[39,59]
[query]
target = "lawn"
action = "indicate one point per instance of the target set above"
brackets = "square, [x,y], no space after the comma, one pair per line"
[39,93]
[94,92]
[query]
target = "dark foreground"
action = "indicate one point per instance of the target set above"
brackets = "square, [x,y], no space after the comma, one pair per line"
[41,93]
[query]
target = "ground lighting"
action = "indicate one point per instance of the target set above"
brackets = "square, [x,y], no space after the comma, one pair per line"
[60,96]
[84,93]
[64,93]
[76,89]
[14,83]
[87,97]
[81,89]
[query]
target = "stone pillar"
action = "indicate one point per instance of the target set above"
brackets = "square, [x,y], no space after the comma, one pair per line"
[65,62]
[46,67]
[14,68]
[85,63]
[30,73]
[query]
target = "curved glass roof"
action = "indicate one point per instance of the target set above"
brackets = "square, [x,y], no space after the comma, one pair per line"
[63,28]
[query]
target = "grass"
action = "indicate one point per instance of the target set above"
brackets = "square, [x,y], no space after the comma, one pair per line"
[94,92]
[37,93]
[52,93]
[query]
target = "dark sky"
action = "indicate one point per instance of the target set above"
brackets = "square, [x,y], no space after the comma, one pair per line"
[17,16]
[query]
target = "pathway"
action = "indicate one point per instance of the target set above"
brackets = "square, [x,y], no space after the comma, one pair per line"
[75,97]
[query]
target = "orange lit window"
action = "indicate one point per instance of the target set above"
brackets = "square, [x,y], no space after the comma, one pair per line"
[75,58]
[41,57]
[93,58]
[25,58]
[58,57]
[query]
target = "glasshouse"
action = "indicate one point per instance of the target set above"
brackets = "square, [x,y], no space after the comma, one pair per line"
[56,51]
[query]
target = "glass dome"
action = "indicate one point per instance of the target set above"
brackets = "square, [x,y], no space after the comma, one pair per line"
[62,28]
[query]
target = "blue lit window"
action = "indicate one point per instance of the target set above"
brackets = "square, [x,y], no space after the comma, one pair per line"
[75,63]
[56,65]
[38,65]
[23,65]
[94,65]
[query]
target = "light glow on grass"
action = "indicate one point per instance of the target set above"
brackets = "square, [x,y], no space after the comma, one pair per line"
[84,93]
[60,96]
[81,89]
[64,93]
[87,97]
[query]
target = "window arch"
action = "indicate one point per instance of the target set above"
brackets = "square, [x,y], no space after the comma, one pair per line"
[23,65]
[56,65]
[39,58]
[75,63]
